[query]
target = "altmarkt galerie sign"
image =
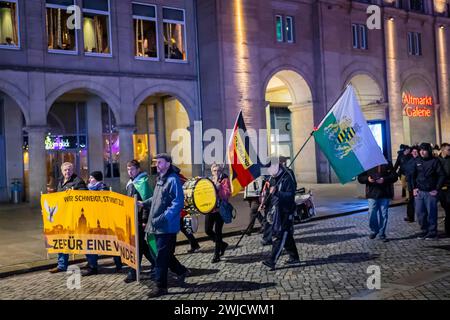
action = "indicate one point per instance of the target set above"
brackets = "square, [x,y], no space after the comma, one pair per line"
[417,107]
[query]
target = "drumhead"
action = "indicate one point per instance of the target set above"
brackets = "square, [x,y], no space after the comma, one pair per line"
[205,198]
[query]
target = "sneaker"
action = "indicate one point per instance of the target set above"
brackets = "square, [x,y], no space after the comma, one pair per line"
[431,238]
[224,247]
[422,236]
[291,262]
[373,235]
[384,239]
[89,272]
[56,270]
[269,264]
[193,250]
[130,278]
[158,292]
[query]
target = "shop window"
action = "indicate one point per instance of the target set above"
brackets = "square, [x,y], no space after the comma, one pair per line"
[359,36]
[289,29]
[279,28]
[174,34]
[111,148]
[96,27]
[60,38]
[414,44]
[145,31]
[9,24]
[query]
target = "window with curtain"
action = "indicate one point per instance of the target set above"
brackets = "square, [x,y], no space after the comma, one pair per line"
[145,31]
[96,24]
[9,28]
[59,35]
[111,149]
[174,28]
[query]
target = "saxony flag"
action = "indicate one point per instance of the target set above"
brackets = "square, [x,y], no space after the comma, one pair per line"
[346,140]
[244,162]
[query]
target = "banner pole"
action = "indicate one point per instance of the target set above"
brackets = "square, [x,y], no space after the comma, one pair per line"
[136,238]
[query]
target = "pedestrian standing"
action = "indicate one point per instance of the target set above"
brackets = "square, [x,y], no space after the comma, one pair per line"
[379,183]
[445,191]
[428,179]
[407,167]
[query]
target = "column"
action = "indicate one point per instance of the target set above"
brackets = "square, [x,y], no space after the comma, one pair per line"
[443,81]
[95,137]
[394,87]
[126,151]
[302,124]
[37,163]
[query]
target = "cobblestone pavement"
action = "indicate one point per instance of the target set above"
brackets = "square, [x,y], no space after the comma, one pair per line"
[335,255]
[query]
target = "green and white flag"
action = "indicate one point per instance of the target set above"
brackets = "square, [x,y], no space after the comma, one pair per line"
[346,140]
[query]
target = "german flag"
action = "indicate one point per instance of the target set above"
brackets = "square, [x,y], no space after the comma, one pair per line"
[240,153]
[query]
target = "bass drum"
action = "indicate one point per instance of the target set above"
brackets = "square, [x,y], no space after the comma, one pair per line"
[200,196]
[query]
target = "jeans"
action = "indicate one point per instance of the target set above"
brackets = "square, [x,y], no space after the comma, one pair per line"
[92,260]
[214,221]
[284,241]
[427,212]
[165,259]
[378,215]
[63,261]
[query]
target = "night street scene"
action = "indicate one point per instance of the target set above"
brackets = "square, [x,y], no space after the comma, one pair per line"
[223,157]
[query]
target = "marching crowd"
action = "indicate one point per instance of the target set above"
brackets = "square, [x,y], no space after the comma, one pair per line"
[425,175]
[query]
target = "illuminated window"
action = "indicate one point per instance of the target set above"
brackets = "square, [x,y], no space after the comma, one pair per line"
[289,29]
[145,31]
[60,37]
[9,25]
[359,36]
[111,147]
[96,27]
[414,44]
[174,34]
[279,28]
[417,5]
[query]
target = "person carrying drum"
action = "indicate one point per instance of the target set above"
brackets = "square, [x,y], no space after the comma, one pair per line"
[280,206]
[213,221]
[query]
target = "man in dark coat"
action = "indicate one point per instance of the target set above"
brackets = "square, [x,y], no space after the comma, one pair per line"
[379,191]
[428,179]
[445,191]
[280,214]
[69,180]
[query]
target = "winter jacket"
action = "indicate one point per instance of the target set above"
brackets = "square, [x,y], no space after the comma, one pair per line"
[99,186]
[165,205]
[376,190]
[401,159]
[282,203]
[428,174]
[74,182]
[140,186]
[407,168]
[446,165]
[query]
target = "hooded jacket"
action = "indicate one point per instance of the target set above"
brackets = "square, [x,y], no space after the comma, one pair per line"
[376,190]
[428,174]
[165,204]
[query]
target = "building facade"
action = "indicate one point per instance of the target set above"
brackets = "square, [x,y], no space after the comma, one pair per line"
[284,63]
[76,81]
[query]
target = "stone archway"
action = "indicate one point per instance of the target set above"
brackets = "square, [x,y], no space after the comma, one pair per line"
[287,90]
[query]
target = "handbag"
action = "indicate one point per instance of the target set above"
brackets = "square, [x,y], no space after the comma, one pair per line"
[227,211]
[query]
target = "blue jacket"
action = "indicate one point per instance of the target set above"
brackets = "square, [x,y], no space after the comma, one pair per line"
[165,205]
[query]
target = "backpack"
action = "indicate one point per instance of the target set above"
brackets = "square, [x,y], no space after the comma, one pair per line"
[227,211]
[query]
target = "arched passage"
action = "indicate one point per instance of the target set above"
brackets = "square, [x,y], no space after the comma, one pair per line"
[290,111]
[163,125]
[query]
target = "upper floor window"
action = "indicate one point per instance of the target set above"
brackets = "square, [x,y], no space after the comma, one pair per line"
[174,34]
[60,36]
[145,31]
[416,5]
[414,44]
[9,24]
[96,27]
[359,36]
[284,28]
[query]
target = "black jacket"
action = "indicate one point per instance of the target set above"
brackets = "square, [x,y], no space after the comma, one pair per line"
[401,160]
[428,174]
[407,169]
[74,182]
[446,165]
[282,202]
[375,190]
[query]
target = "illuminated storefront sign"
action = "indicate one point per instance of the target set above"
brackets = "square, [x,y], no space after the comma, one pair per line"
[64,142]
[417,107]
